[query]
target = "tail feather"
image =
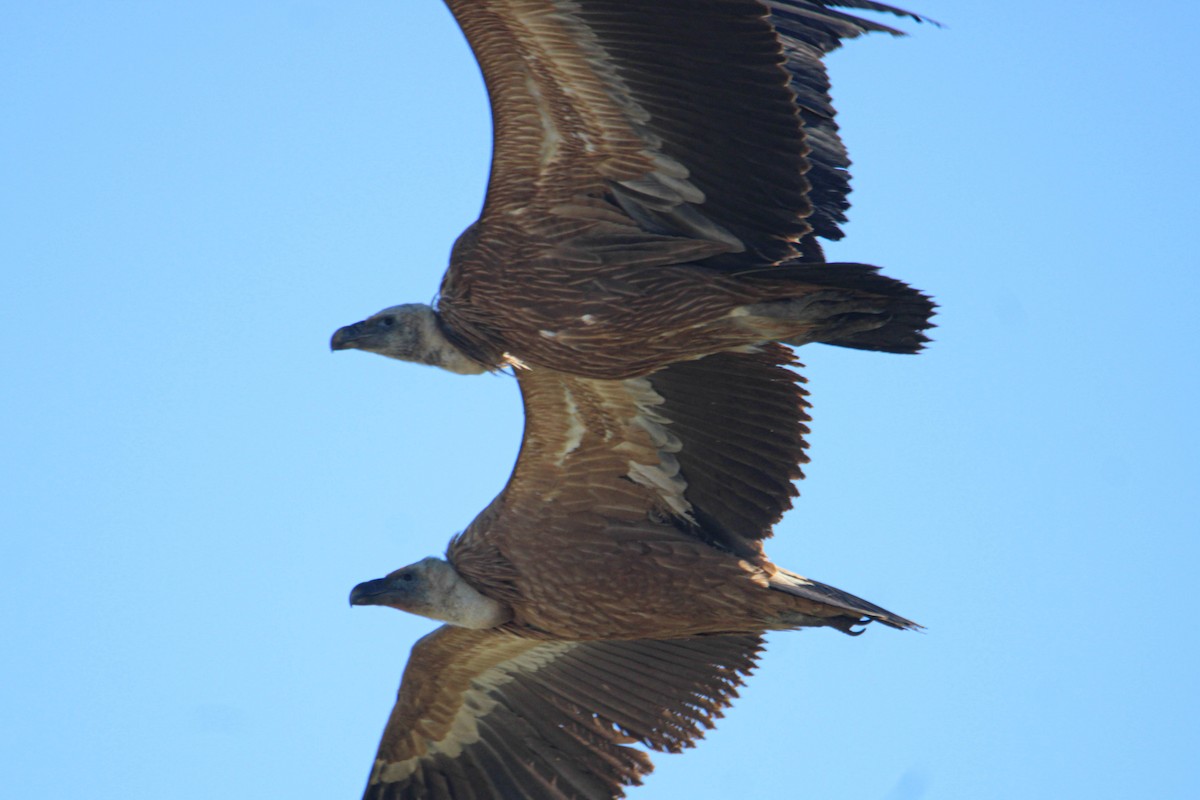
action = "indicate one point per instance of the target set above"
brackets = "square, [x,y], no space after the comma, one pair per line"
[864,309]
[856,611]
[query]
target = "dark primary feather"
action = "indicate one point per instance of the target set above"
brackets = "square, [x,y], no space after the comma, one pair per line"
[809,31]
[740,418]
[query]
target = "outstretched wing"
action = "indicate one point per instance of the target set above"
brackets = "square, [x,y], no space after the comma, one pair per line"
[623,126]
[488,715]
[715,443]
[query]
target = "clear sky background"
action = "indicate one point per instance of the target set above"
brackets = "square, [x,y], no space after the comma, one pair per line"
[193,196]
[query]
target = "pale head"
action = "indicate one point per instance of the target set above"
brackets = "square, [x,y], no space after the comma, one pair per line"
[408,332]
[433,588]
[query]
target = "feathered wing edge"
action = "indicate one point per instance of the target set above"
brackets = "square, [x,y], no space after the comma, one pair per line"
[647,102]
[808,31]
[740,419]
[485,714]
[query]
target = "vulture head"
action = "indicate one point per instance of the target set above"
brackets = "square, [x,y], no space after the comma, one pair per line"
[408,332]
[433,588]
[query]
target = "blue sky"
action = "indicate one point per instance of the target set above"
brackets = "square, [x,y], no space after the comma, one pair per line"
[194,195]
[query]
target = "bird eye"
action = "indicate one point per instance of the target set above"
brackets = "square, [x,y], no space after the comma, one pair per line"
[406,577]
[387,321]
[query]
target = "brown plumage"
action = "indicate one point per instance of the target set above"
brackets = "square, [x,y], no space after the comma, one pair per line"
[632,526]
[662,171]
[511,718]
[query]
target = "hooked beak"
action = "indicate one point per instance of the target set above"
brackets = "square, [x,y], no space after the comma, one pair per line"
[372,593]
[349,337]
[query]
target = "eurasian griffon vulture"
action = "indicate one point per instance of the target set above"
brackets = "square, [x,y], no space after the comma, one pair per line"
[661,173]
[614,592]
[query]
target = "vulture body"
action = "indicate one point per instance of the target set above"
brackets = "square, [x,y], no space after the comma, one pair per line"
[662,171]
[614,592]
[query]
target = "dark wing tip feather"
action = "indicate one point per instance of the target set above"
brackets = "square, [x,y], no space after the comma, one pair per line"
[868,5]
[808,30]
[848,25]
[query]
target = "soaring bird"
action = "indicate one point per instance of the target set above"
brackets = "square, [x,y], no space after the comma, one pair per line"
[661,175]
[614,592]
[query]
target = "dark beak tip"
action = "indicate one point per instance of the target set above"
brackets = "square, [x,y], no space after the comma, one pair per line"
[347,337]
[368,593]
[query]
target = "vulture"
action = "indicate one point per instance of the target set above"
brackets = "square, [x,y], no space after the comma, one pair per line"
[662,173]
[615,592]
